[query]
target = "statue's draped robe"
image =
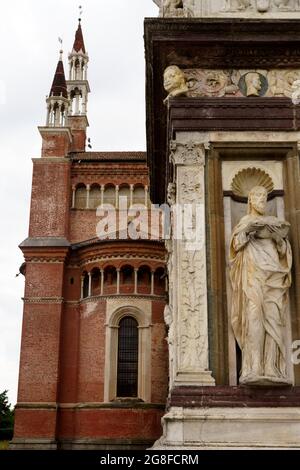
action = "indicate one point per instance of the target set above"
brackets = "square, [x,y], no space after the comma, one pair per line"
[261,276]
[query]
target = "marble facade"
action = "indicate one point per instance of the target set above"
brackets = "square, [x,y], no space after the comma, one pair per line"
[218,428]
[237,126]
[229,8]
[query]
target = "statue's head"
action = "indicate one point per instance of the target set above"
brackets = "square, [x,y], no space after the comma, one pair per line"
[253,83]
[174,79]
[257,200]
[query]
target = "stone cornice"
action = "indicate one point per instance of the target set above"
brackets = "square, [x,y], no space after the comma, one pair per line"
[43,300]
[222,43]
[93,405]
[45,249]
[113,257]
[102,251]
[121,296]
[44,130]
[43,160]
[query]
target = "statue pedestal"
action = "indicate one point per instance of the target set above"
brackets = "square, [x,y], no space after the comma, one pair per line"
[225,417]
[202,378]
[230,428]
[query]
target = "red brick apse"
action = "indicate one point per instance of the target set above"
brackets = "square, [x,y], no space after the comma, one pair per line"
[94,356]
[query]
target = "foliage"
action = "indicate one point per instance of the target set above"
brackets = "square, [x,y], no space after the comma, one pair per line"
[4,445]
[6,418]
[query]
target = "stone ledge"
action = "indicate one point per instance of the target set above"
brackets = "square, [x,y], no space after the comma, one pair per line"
[225,396]
[105,444]
[45,242]
[88,406]
[32,444]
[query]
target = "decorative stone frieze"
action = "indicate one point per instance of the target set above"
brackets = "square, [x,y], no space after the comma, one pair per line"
[241,82]
[229,8]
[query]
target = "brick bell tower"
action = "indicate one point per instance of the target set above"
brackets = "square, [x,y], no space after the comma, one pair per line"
[80,385]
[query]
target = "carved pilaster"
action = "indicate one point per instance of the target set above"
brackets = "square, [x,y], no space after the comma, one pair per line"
[187,310]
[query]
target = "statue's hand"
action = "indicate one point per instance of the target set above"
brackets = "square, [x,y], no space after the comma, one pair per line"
[264,233]
[251,234]
[277,238]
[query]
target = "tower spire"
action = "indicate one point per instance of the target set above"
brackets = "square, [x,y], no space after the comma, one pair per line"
[79,41]
[78,58]
[78,90]
[57,102]
[59,85]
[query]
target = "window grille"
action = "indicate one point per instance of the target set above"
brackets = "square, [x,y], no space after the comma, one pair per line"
[127,375]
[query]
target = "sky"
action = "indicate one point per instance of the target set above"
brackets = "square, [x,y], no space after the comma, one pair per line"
[113,34]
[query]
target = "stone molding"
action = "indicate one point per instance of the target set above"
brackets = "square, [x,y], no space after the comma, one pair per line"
[89,405]
[104,259]
[43,300]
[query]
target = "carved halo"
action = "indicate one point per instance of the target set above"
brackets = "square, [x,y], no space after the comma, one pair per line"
[247,178]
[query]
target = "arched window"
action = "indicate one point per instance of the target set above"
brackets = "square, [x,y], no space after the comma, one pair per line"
[128,342]
[139,195]
[124,191]
[80,197]
[110,280]
[85,292]
[95,196]
[144,280]
[110,195]
[159,281]
[127,372]
[96,283]
[76,101]
[127,275]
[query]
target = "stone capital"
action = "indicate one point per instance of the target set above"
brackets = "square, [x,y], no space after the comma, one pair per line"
[190,153]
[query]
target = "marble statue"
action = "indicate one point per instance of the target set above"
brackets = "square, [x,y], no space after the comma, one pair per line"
[260,272]
[253,84]
[174,82]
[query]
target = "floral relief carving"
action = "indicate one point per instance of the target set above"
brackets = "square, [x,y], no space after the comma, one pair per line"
[240,82]
[191,189]
[240,8]
[187,154]
[193,335]
[262,6]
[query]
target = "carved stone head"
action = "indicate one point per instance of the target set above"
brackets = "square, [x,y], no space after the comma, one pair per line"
[257,200]
[263,5]
[174,81]
[253,84]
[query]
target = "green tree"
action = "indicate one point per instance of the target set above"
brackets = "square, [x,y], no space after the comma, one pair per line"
[6,417]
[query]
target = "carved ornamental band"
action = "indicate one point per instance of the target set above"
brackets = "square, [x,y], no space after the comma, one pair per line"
[195,83]
[227,8]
